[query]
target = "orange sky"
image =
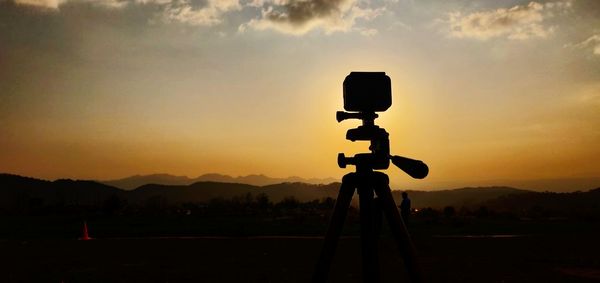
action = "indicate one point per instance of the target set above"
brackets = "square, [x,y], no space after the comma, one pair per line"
[105,89]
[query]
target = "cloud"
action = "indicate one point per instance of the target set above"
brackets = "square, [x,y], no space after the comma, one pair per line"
[593,43]
[55,4]
[519,22]
[52,4]
[297,17]
[286,16]
[368,32]
[211,13]
[191,12]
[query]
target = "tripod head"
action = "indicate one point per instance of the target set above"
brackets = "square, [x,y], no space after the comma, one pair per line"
[366,93]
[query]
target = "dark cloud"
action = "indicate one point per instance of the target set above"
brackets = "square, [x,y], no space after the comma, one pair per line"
[300,16]
[299,12]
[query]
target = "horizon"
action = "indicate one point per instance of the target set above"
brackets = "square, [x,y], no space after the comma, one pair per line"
[485,92]
[549,185]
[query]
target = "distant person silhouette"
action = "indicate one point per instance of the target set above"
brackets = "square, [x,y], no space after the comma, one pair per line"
[405,207]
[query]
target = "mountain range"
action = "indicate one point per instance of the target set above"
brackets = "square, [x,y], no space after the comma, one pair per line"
[538,185]
[133,182]
[19,193]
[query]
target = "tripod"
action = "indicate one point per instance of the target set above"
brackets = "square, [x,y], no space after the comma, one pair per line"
[367,182]
[366,93]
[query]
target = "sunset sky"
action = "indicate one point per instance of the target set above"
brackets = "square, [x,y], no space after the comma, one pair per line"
[485,92]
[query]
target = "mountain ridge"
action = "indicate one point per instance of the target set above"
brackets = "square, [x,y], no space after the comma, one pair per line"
[21,194]
[69,191]
[135,181]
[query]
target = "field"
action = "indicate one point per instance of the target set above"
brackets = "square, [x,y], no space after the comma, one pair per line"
[475,251]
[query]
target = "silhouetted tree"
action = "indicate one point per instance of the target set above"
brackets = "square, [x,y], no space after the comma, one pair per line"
[328,203]
[263,203]
[483,211]
[113,205]
[36,205]
[289,203]
[449,211]
[219,206]
[156,204]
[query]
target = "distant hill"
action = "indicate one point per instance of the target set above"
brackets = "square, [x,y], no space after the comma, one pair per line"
[569,204]
[17,191]
[130,183]
[133,182]
[467,197]
[562,185]
[22,193]
[205,191]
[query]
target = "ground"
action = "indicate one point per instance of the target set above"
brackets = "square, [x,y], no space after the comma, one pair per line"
[521,258]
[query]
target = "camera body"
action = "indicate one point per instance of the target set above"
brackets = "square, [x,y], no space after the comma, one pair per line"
[367,92]
[364,94]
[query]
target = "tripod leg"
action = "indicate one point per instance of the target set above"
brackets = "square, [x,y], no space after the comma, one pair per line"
[368,238]
[377,217]
[401,236]
[335,227]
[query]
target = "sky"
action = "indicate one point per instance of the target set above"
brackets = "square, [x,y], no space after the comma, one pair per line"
[485,92]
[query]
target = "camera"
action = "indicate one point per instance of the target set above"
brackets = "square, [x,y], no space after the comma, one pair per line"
[364,94]
[367,92]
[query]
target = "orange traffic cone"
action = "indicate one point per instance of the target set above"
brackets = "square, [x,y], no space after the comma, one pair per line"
[86,236]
